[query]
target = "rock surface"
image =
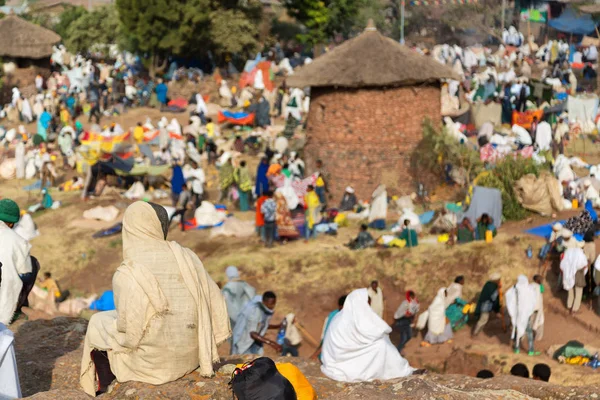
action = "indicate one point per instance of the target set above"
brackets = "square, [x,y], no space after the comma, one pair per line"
[49,356]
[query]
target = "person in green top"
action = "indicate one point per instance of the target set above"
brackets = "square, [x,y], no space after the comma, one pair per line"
[244,184]
[225,178]
[484,223]
[409,235]
[465,232]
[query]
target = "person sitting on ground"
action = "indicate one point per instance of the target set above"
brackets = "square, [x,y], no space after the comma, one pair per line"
[409,235]
[541,372]
[51,286]
[404,317]
[357,346]
[590,193]
[326,323]
[455,304]
[18,273]
[489,300]
[237,293]
[159,284]
[485,223]
[363,240]
[520,370]
[521,300]
[445,223]
[439,330]
[252,325]
[465,233]
[349,200]
[485,374]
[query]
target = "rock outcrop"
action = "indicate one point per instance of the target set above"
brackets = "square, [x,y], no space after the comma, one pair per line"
[49,355]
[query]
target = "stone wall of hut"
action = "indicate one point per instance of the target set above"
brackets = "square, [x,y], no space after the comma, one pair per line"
[366,137]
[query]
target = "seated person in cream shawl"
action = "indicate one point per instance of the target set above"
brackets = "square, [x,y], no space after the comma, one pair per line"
[170,315]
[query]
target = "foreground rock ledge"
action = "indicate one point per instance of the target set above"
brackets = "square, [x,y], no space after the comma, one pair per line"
[49,353]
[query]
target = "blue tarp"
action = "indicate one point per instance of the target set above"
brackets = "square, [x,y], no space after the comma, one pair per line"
[546,230]
[571,21]
[106,302]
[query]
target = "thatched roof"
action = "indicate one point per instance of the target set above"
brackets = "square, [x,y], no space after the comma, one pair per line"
[22,39]
[370,60]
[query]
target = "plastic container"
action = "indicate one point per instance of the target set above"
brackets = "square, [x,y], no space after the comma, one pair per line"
[575,204]
[489,236]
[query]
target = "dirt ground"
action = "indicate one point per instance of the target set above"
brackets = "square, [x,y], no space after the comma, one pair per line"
[309,277]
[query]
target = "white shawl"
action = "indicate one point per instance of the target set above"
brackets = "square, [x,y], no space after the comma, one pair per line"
[170,315]
[539,308]
[378,208]
[453,292]
[357,346]
[9,375]
[436,322]
[15,259]
[521,300]
[573,260]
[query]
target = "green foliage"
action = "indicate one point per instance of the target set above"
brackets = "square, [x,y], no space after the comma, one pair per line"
[324,18]
[98,27]
[232,33]
[68,17]
[503,177]
[179,27]
[438,148]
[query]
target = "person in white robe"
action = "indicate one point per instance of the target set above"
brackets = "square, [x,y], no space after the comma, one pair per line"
[237,293]
[454,291]
[15,260]
[225,93]
[16,95]
[523,138]
[538,312]
[378,209]
[543,136]
[521,300]
[26,112]
[590,193]
[590,54]
[170,315]
[439,329]
[376,296]
[357,346]
[10,387]
[201,108]
[20,159]
[574,266]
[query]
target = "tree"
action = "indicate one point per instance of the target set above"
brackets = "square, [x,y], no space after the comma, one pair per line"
[98,27]
[161,28]
[68,17]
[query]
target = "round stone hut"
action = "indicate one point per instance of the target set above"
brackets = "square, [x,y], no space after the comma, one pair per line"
[369,97]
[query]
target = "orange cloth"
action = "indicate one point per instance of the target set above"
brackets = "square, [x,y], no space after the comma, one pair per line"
[260,220]
[274,170]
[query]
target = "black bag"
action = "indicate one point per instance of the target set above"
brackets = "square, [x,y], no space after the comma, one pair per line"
[260,380]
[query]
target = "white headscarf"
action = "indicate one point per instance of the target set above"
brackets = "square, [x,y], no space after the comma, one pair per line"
[357,346]
[201,105]
[232,273]
[573,260]
[521,300]
[437,313]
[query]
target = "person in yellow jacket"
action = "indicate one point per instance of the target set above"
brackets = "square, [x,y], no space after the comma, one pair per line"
[138,133]
[313,209]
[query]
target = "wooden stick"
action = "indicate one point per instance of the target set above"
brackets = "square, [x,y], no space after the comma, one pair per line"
[309,338]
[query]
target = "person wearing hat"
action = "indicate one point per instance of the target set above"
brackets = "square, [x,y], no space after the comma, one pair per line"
[349,200]
[15,264]
[489,300]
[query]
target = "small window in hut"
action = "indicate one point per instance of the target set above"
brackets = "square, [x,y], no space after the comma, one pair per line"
[321,113]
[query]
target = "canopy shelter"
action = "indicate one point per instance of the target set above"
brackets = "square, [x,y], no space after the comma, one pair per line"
[573,22]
